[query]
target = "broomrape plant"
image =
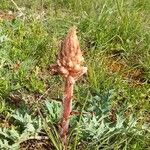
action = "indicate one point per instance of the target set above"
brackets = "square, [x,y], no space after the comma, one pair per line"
[69,65]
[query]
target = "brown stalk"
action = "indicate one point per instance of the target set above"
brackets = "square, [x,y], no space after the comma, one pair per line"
[69,65]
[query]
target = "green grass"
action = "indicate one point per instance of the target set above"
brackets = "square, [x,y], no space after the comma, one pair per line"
[115,110]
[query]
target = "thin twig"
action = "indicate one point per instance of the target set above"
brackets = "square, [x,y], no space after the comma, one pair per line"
[43,94]
[19,9]
[37,137]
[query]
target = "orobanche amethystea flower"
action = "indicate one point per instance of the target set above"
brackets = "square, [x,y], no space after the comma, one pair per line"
[70,59]
[69,65]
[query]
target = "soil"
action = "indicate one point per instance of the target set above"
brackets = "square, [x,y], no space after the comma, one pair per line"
[34,144]
[6,15]
[4,123]
[135,76]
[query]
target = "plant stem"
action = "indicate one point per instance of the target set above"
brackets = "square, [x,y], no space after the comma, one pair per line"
[67,107]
